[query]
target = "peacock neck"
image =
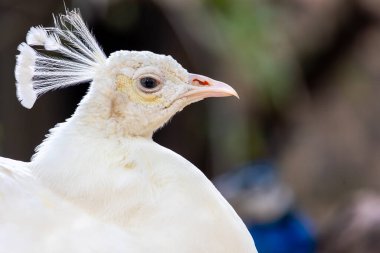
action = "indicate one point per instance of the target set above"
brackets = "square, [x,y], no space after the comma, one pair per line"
[102,114]
[83,168]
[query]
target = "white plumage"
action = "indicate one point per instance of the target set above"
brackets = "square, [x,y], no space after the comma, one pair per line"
[34,220]
[99,181]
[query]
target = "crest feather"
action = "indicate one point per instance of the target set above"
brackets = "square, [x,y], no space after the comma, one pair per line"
[36,36]
[77,55]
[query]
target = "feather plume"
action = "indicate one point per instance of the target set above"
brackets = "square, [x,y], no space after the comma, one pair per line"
[52,43]
[36,36]
[77,55]
[24,72]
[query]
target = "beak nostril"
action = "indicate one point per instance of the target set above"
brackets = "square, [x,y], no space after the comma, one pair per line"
[201,82]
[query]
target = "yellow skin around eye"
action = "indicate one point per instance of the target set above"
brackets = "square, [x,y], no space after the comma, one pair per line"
[127,85]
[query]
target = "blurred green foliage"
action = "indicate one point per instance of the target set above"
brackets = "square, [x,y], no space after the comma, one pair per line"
[254,32]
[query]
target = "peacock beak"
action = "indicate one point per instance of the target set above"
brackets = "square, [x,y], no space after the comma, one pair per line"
[204,87]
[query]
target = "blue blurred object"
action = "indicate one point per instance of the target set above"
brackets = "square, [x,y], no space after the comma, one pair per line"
[289,234]
[266,204]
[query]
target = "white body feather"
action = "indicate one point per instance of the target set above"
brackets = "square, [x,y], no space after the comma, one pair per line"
[152,192]
[34,220]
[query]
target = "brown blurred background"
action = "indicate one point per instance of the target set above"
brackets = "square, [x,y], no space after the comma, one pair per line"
[307,71]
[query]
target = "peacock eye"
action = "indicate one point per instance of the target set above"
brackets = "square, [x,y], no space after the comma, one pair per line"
[149,84]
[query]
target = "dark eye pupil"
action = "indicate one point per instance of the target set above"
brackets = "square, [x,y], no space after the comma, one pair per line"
[148,82]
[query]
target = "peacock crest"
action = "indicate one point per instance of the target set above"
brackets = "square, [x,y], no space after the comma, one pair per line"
[55,57]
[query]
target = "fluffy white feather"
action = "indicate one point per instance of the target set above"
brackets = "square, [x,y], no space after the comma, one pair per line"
[24,72]
[165,200]
[36,36]
[80,56]
[34,220]
[52,43]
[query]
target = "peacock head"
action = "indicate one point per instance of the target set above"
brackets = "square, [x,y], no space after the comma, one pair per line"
[138,89]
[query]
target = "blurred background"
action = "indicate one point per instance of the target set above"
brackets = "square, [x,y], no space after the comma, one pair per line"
[307,71]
